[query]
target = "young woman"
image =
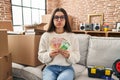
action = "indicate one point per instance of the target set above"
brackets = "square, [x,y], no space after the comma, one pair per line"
[59,48]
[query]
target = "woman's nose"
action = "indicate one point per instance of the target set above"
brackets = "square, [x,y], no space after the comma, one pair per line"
[59,19]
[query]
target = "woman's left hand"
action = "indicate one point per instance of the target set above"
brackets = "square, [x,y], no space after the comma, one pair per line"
[65,53]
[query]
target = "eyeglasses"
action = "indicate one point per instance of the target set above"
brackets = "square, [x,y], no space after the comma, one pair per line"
[61,17]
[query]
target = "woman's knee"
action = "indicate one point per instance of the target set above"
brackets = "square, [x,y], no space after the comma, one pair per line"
[48,75]
[66,75]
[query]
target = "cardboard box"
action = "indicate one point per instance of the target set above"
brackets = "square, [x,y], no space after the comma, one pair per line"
[70,21]
[46,27]
[41,26]
[37,26]
[24,49]
[46,18]
[5,67]
[3,42]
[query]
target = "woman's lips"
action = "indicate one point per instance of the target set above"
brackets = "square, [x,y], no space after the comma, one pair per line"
[59,24]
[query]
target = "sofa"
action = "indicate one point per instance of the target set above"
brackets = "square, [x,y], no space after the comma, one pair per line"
[94,51]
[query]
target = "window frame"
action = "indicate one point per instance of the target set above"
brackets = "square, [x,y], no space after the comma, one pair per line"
[39,10]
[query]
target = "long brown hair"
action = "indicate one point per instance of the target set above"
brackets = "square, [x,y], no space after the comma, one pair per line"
[67,27]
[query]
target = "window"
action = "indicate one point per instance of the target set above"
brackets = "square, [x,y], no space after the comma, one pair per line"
[27,12]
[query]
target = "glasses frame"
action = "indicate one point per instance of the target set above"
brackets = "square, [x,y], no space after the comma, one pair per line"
[59,17]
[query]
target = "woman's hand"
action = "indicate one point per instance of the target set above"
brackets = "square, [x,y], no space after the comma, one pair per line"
[54,53]
[65,53]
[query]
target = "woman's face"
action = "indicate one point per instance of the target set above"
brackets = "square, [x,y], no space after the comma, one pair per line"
[59,20]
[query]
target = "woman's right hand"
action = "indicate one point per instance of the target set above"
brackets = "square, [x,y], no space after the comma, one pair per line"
[54,53]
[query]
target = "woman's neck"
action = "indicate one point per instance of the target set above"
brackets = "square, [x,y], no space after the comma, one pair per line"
[59,31]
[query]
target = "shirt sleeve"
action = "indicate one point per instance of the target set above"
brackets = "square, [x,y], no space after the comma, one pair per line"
[74,52]
[43,53]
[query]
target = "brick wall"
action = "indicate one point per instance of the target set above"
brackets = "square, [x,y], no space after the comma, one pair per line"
[80,9]
[5,10]
[5,15]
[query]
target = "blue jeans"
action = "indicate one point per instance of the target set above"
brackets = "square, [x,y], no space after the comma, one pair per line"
[55,72]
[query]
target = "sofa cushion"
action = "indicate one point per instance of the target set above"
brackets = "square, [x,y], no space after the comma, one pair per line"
[83,43]
[26,72]
[35,72]
[103,51]
[78,69]
[17,70]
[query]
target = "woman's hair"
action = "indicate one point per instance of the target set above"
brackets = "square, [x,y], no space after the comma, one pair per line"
[51,26]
